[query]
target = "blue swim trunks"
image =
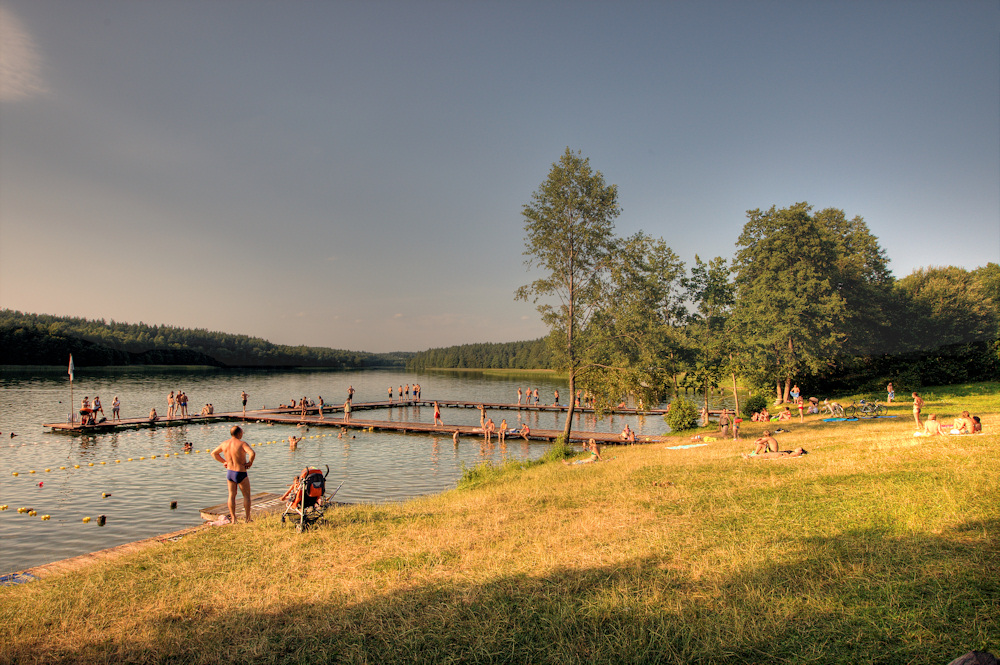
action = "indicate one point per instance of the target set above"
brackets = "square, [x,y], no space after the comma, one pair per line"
[236,476]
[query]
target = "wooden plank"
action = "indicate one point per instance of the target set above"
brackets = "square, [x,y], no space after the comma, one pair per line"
[264,503]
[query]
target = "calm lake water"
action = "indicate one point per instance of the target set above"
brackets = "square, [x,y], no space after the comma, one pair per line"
[375,466]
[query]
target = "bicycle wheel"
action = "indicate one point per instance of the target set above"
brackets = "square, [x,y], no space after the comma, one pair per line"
[879,411]
[851,412]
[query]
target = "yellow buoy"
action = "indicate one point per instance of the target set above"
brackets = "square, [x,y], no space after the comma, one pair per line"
[86,519]
[32,471]
[118,461]
[13,473]
[151,457]
[90,464]
[47,470]
[130,459]
[76,466]
[46,517]
[32,513]
[63,468]
[143,457]
[103,462]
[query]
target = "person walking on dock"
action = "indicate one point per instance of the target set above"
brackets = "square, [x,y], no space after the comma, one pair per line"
[519,396]
[536,396]
[350,393]
[243,396]
[347,411]
[320,401]
[437,416]
[170,405]
[390,393]
[116,406]
[237,456]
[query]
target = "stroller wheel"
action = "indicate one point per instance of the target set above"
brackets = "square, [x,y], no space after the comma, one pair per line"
[300,528]
[282,519]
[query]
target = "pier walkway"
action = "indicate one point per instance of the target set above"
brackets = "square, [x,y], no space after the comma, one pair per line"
[287,416]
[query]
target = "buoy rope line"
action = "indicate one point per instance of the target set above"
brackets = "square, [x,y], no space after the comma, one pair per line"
[31,512]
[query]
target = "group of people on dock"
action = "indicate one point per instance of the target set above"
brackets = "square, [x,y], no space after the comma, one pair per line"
[89,410]
[404,392]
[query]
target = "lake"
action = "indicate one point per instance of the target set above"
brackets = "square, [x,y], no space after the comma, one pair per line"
[375,466]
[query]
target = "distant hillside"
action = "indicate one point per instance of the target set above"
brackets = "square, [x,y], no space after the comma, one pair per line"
[532,354]
[42,339]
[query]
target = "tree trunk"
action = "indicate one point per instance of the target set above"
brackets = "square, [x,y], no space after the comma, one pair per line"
[736,397]
[567,430]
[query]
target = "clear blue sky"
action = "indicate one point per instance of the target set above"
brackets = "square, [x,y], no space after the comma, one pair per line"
[351,174]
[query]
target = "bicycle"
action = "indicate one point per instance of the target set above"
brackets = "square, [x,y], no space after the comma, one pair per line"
[864,409]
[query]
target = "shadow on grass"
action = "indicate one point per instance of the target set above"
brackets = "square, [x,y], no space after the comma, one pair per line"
[863,597]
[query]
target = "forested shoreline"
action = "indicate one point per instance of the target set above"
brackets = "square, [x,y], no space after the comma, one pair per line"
[43,339]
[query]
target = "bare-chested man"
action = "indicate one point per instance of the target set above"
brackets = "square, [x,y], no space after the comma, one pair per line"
[765,443]
[237,456]
[918,403]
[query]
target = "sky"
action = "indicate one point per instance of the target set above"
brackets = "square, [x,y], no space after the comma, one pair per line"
[352,174]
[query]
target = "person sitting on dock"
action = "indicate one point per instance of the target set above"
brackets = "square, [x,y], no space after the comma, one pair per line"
[556,402]
[525,431]
[627,434]
[489,429]
[204,410]
[503,431]
[152,415]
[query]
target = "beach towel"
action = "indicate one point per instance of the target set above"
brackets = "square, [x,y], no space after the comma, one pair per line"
[837,420]
[690,445]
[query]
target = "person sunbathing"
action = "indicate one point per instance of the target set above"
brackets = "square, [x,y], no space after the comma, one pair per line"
[766,443]
[785,415]
[595,454]
[964,424]
[932,427]
[798,452]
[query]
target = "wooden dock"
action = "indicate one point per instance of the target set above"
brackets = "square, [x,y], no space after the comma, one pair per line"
[286,416]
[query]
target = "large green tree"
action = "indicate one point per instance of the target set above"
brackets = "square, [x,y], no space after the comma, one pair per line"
[636,343]
[569,235]
[788,310]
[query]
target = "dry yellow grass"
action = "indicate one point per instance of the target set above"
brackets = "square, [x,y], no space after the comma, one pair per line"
[872,548]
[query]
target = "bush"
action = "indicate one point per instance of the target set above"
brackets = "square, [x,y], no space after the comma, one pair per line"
[683,415]
[558,452]
[753,404]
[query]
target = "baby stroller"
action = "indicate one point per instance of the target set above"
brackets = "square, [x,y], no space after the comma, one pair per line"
[306,497]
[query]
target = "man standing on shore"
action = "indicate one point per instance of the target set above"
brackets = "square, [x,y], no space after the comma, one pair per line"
[237,456]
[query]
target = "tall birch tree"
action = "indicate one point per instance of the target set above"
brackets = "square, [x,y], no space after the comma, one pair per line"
[569,235]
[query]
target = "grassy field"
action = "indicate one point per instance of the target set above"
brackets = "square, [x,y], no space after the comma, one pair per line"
[876,547]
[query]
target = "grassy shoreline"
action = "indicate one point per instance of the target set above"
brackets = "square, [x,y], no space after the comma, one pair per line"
[875,547]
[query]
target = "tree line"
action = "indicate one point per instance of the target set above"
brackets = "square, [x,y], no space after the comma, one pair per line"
[533,354]
[42,339]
